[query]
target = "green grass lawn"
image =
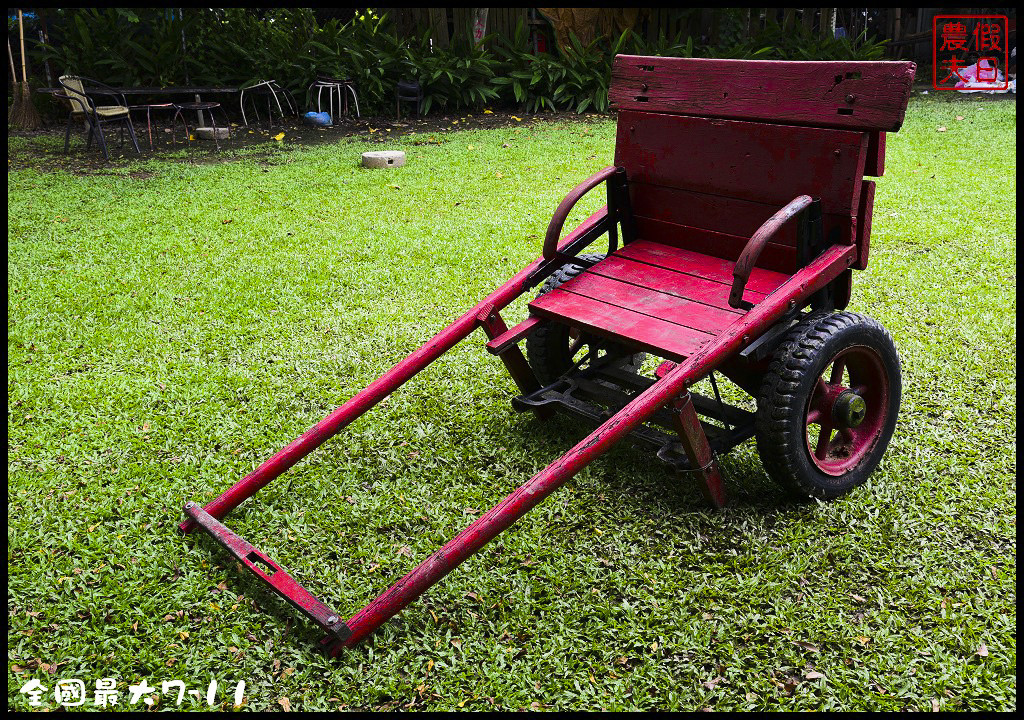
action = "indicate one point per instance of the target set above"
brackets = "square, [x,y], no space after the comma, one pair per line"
[171,324]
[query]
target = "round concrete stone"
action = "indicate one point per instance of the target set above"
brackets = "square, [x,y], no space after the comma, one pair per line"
[384,159]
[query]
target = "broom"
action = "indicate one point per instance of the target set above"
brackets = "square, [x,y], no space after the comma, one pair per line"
[15,87]
[23,113]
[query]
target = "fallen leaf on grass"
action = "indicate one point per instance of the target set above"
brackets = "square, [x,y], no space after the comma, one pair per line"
[857,598]
[942,129]
[813,675]
[982,651]
[959,117]
[405,550]
[285,704]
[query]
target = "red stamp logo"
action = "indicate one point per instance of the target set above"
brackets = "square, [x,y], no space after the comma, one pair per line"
[970,53]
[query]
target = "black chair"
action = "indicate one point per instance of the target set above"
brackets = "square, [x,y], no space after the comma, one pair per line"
[78,91]
[409,91]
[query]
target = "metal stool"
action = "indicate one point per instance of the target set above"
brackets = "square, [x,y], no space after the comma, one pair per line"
[148,109]
[334,86]
[199,107]
[270,88]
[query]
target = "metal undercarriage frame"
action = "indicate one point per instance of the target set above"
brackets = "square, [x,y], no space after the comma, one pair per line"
[599,394]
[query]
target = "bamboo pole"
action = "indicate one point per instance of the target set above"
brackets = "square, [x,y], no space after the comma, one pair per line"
[10,56]
[21,34]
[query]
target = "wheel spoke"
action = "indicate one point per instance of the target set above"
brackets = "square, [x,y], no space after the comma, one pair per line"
[821,450]
[837,372]
[819,398]
[847,435]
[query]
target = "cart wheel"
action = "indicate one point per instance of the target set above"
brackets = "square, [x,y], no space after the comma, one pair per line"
[828,404]
[554,348]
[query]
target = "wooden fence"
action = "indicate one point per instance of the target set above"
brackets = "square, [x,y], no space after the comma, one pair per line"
[907,29]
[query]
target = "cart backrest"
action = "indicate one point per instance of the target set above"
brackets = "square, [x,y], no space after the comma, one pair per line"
[713,148]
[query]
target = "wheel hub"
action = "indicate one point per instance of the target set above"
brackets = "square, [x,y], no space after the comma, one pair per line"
[849,409]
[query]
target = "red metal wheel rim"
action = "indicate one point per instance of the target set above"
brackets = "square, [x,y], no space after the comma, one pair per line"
[836,448]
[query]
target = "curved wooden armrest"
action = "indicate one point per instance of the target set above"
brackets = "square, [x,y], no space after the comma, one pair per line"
[562,211]
[748,258]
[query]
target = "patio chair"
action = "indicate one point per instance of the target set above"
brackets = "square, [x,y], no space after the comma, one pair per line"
[78,91]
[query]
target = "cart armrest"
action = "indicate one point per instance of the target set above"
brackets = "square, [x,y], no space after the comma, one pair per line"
[562,211]
[748,258]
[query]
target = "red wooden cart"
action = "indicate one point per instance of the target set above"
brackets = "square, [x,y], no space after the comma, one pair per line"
[737,210]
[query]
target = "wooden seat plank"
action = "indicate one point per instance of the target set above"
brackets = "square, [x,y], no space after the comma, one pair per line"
[781,258]
[652,301]
[692,263]
[691,287]
[649,333]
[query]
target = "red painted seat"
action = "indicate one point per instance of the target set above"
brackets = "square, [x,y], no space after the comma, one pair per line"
[712,149]
[665,299]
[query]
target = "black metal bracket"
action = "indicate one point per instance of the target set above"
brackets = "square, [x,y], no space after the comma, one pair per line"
[810,243]
[598,394]
[620,210]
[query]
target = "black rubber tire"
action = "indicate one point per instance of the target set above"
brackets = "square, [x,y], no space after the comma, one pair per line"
[547,347]
[787,390]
